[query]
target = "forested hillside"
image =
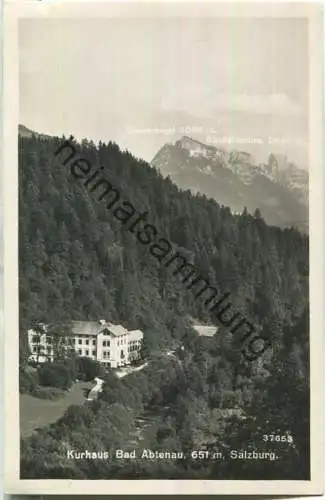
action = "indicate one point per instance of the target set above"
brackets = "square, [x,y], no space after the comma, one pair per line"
[77,262]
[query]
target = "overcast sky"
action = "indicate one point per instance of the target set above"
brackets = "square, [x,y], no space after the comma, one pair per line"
[239,80]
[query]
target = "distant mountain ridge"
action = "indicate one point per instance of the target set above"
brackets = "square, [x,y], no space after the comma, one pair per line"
[278,188]
[26,132]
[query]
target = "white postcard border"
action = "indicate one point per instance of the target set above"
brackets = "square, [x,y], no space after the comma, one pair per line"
[13,484]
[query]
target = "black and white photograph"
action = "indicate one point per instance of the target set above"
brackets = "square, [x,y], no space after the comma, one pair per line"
[164,157]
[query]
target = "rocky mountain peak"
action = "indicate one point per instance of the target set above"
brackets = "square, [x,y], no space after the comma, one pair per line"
[234,179]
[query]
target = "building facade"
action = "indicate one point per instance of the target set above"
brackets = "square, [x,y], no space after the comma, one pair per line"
[112,345]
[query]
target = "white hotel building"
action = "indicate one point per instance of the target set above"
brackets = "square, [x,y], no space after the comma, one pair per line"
[111,345]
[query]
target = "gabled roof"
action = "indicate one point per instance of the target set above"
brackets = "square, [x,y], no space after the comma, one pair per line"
[116,330]
[135,335]
[205,330]
[86,327]
[96,327]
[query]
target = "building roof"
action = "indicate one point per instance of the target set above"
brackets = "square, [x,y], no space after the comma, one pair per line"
[86,327]
[206,330]
[96,327]
[135,335]
[116,330]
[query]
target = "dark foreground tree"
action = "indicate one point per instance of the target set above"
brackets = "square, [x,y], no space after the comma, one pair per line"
[55,375]
[88,369]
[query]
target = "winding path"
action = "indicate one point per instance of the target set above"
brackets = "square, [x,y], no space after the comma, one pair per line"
[93,393]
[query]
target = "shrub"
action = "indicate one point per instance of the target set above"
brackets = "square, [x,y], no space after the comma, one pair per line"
[77,416]
[89,369]
[55,375]
[51,393]
[28,381]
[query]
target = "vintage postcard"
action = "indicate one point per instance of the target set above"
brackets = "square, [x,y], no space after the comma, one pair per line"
[163,204]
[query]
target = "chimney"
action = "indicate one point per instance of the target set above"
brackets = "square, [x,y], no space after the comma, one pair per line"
[102,322]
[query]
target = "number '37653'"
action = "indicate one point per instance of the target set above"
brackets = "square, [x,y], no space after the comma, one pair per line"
[275,437]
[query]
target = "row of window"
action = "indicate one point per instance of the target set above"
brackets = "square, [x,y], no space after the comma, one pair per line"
[106,343]
[40,351]
[49,350]
[36,339]
[135,347]
[35,349]
[106,363]
[106,354]
[86,353]
[86,341]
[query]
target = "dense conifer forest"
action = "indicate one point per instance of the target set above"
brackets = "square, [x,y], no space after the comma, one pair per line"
[77,262]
